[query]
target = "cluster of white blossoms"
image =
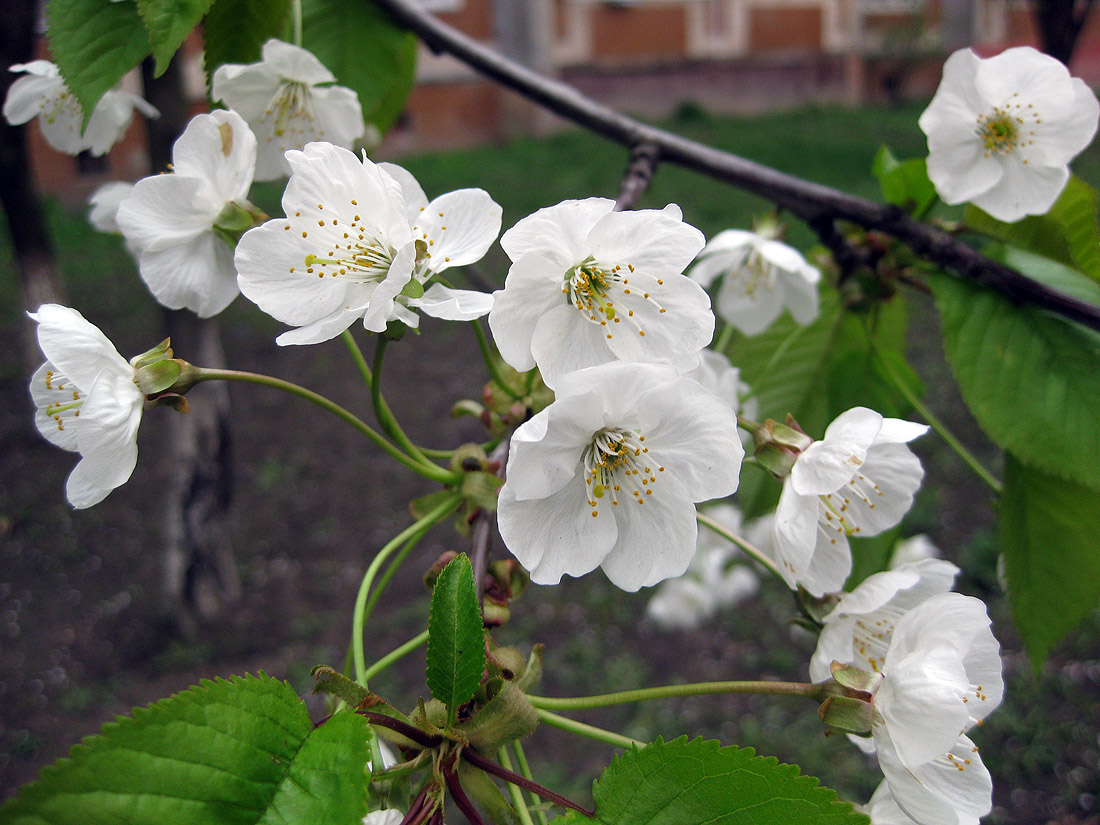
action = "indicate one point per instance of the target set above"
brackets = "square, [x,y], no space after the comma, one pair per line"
[42,93]
[609,474]
[935,672]
[1002,131]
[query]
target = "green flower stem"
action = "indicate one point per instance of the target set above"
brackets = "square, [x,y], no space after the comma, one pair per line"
[810,691]
[391,569]
[382,409]
[724,339]
[428,470]
[515,791]
[525,769]
[296,13]
[396,654]
[755,552]
[949,437]
[591,731]
[491,360]
[414,531]
[358,357]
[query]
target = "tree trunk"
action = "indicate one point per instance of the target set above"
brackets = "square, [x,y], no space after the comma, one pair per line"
[199,576]
[1059,23]
[36,263]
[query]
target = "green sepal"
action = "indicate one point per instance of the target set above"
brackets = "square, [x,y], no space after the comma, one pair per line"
[847,714]
[481,488]
[506,717]
[420,507]
[157,377]
[854,678]
[467,406]
[469,458]
[158,353]
[413,289]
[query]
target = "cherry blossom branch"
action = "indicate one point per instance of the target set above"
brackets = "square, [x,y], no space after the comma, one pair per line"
[639,174]
[491,767]
[820,206]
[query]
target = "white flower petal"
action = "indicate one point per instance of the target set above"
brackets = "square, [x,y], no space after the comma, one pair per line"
[560,231]
[295,63]
[77,347]
[196,275]
[52,393]
[826,465]
[105,203]
[453,304]
[459,228]
[652,241]
[953,789]
[220,149]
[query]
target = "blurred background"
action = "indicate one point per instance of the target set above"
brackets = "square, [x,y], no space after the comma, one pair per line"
[239,546]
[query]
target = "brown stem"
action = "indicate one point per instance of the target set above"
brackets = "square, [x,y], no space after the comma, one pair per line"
[812,202]
[489,766]
[459,796]
[421,738]
[484,527]
[419,810]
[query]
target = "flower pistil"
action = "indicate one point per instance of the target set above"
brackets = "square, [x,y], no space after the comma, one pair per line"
[613,459]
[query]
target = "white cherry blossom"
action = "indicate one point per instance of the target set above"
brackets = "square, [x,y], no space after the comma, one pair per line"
[589,285]
[760,278]
[42,93]
[860,479]
[1002,131]
[941,676]
[385,816]
[171,219]
[359,242]
[86,401]
[859,629]
[714,580]
[286,107]
[609,474]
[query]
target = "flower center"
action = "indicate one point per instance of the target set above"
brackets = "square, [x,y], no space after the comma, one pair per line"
[355,252]
[616,460]
[838,514]
[290,110]
[602,294]
[1005,129]
[756,273]
[65,409]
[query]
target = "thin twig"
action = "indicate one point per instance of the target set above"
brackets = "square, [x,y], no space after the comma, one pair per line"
[412,732]
[812,202]
[489,766]
[484,527]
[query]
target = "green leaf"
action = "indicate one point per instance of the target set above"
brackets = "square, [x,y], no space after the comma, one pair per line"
[904,183]
[1067,233]
[1031,379]
[233,752]
[818,371]
[1048,531]
[366,50]
[235,30]
[456,639]
[701,783]
[168,23]
[94,44]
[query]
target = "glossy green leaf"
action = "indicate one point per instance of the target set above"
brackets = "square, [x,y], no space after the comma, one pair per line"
[904,183]
[1067,233]
[701,783]
[168,23]
[366,50]
[1048,534]
[235,30]
[1031,379]
[94,44]
[456,638]
[236,752]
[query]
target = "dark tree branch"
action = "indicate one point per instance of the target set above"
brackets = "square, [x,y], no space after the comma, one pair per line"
[425,740]
[639,174]
[812,202]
